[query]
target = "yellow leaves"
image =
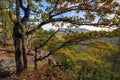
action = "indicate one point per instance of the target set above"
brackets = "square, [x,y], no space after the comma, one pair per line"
[102,48]
[68,53]
[98,50]
[31,4]
[87,58]
[60,37]
[45,16]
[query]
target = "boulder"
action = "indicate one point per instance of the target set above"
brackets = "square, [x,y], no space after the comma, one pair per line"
[7,67]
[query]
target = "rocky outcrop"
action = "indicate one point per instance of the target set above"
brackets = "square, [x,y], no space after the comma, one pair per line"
[7,67]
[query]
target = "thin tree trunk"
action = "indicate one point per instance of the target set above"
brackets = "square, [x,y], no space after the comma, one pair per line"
[35,59]
[79,74]
[84,72]
[24,51]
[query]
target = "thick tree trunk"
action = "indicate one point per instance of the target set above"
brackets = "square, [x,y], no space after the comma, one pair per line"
[20,51]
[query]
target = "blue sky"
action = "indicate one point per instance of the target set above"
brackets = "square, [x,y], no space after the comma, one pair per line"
[49,26]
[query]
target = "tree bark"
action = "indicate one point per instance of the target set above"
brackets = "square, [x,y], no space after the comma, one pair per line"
[24,51]
[17,35]
[35,59]
[20,49]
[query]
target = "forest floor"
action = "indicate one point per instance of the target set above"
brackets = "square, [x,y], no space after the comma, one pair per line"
[44,72]
[6,54]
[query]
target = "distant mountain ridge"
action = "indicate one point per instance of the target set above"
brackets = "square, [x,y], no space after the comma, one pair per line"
[114,40]
[66,30]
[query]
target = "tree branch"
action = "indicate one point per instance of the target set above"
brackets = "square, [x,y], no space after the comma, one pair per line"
[76,22]
[56,3]
[48,39]
[21,5]
[26,10]
[52,52]
[83,37]
[80,7]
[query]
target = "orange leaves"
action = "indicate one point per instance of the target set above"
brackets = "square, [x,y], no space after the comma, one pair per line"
[104,10]
[90,16]
[87,5]
[63,7]
[108,2]
[108,7]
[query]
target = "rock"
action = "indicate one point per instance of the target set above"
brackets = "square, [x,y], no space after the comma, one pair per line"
[7,67]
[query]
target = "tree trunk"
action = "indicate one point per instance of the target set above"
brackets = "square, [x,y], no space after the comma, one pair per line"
[79,74]
[20,51]
[35,59]
[24,50]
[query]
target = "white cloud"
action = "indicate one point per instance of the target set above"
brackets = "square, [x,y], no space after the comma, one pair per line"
[117,1]
[91,28]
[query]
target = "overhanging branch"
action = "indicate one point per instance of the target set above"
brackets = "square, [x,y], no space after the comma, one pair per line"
[74,8]
[48,39]
[86,36]
[67,20]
